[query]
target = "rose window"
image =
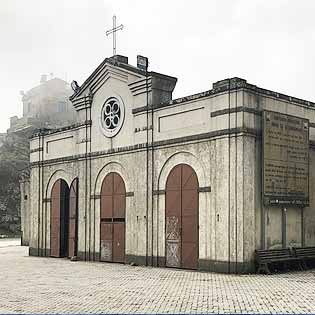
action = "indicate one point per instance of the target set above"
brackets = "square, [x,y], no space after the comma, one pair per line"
[112,116]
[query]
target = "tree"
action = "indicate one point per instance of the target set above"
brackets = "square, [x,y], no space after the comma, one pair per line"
[14,161]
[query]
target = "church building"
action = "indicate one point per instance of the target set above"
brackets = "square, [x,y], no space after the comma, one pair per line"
[187,183]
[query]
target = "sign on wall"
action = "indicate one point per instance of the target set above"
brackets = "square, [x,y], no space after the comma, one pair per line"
[285,160]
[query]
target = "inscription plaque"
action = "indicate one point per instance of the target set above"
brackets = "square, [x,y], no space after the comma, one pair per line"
[285,159]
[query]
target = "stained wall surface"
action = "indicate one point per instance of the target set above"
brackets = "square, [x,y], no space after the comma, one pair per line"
[217,133]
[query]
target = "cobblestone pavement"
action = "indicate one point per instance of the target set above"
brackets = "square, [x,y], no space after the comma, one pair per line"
[50,285]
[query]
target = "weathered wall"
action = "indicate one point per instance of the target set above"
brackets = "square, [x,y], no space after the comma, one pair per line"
[217,133]
[288,226]
[308,214]
[220,209]
[25,215]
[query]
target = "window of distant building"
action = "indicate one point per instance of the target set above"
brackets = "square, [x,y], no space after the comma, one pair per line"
[62,107]
[29,106]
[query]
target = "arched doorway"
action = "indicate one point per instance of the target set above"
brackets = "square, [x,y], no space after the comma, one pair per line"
[181,218]
[113,207]
[59,219]
[73,218]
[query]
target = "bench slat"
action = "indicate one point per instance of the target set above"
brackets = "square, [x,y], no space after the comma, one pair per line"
[304,252]
[282,255]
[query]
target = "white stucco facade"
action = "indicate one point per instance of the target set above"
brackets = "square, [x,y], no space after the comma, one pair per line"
[217,133]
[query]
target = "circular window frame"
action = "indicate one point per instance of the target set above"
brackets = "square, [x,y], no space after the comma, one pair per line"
[107,131]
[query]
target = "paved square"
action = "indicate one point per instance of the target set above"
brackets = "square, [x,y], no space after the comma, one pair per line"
[49,285]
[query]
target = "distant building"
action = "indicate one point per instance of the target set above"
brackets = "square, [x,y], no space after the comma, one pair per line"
[2,138]
[45,106]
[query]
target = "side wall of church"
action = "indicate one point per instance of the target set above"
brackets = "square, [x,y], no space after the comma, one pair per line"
[289,226]
[308,214]
[278,227]
[34,209]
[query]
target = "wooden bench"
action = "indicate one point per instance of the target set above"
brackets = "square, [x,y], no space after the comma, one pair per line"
[264,258]
[305,254]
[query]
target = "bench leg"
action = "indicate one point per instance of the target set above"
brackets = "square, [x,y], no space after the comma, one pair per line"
[304,265]
[301,266]
[264,267]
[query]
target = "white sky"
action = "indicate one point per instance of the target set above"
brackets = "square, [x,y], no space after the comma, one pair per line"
[268,42]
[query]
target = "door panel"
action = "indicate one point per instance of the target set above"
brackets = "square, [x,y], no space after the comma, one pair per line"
[173,253]
[59,219]
[119,186]
[174,179]
[106,241]
[119,242]
[55,220]
[64,218]
[173,203]
[73,217]
[189,229]
[107,206]
[189,259]
[181,218]
[173,241]
[119,205]
[113,208]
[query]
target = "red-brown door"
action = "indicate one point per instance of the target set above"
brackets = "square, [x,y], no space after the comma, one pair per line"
[113,207]
[73,219]
[59,219]
[181,218]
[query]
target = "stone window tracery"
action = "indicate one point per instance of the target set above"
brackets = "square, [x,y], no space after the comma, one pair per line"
[112,116]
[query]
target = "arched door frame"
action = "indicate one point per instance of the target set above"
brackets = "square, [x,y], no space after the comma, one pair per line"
[112,166]
[203,174]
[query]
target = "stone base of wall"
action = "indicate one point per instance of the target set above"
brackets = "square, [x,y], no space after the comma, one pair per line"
[24,243]
[226,267]
[89,256]
[41,252]
[24,240]
[156,261]
[204,265]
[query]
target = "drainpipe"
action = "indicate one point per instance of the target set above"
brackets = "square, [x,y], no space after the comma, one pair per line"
[147,166]
[38,197]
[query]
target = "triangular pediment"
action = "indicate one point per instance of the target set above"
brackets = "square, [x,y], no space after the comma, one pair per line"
[110,68]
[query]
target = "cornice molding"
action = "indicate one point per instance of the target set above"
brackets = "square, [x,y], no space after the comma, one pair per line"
[63,129]
[161,143]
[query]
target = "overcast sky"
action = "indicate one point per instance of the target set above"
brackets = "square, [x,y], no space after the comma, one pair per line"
[271,43]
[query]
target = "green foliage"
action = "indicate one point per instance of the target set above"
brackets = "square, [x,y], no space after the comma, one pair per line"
[14,162]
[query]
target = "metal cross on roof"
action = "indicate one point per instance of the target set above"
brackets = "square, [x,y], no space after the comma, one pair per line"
[113,31]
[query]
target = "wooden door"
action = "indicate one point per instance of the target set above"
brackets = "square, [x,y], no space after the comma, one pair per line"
[113,207]
[73,219]
[181,218]
[59,219]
